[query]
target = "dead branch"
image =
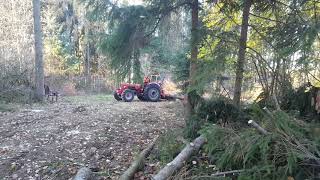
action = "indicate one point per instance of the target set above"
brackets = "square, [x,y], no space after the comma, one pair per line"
[179,160]
[258,127]
[226,173]
[233,172]
[268,111]
[138,163]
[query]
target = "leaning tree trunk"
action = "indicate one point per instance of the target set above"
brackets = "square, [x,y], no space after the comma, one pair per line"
[138,162]
[177,163]
[194,54]
[242,52]
[39,72]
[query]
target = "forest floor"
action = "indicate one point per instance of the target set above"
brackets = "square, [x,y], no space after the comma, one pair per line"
[52,141]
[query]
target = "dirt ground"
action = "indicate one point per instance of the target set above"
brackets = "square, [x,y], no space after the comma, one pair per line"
[53,141]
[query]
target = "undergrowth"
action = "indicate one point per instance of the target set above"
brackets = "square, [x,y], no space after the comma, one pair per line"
[289,150]
[168,146]
[218,110]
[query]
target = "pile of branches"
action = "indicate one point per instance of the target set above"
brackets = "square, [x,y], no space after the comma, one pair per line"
[302,99]
[286,148]
[218,110]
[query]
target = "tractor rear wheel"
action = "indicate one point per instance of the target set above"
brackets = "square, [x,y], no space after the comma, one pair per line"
[152,94]
[128,95]
[116,96]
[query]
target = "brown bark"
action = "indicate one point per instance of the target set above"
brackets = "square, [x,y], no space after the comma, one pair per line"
[242,52]
[87,58]
[87,65]
[194,54]
[39,72]
[194,41]
[179,161]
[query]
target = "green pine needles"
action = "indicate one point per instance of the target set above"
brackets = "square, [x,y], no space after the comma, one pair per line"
[288,151]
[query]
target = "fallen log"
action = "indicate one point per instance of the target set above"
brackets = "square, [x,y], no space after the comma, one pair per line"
[258,127]
[178,162]
[268,112]
[83,174]
[138,163]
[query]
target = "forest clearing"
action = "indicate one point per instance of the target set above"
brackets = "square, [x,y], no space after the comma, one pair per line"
[160,89]
[53,141]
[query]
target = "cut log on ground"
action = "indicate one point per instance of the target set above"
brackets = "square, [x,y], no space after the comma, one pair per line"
[138,163]
[83,174]
[258,127]
[178,162]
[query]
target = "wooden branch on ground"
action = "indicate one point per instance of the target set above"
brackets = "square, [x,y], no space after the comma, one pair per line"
[258,127]
[233,172]
[178,162]
[138,163]
[268,112]
[227,172]
[83,174]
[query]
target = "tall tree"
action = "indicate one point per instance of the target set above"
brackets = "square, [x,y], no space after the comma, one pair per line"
[194,40]
[242,52]
[39,72]
[194,56]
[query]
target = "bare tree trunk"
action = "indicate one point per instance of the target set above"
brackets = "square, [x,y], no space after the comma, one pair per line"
[194,48]
[194,55]
[242,52]
[87,66]
[39,72]
[87,57]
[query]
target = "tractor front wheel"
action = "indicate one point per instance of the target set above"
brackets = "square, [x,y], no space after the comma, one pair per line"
[128,95]
[116,96]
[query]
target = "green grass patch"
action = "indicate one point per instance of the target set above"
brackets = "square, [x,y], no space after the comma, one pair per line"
[7,107]
[100,98]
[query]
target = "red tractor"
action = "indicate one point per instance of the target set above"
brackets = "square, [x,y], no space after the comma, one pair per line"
[149,91]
